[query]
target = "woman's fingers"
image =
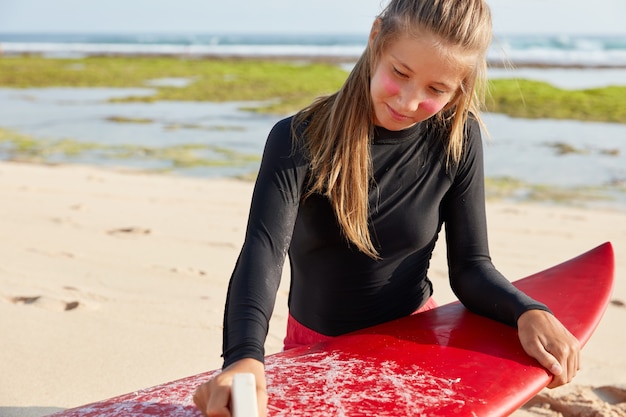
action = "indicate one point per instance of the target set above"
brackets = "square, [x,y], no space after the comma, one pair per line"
[567,353]
[544,338]
[212,399]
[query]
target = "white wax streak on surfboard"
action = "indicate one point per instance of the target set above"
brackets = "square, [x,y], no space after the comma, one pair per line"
[174,399]
[331,384]
[325,384]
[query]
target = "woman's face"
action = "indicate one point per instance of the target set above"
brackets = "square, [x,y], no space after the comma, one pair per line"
[414,79]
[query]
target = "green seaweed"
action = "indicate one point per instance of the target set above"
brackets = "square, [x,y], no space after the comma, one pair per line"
[286,85]
[563,148]
[15,146]
[282,87]
[19,147]
[219,128]
[536,99]
[507,188]
[124,119]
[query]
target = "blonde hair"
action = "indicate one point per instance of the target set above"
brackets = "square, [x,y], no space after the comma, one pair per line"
[337,129]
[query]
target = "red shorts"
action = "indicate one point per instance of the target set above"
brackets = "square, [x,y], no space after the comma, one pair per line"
[300,335]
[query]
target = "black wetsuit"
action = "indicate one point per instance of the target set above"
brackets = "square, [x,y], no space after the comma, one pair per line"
[337,289]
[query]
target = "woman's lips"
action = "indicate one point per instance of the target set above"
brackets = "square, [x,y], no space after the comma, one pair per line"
[397,116]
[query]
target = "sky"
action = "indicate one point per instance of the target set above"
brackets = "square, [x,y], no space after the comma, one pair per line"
[288,16]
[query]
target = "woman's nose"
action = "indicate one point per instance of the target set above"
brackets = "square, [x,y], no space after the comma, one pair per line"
[409,99]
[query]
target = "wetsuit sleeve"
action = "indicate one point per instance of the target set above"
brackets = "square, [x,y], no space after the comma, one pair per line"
[256,276]
[473,277]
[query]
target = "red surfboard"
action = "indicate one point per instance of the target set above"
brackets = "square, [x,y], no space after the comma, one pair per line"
[444,362]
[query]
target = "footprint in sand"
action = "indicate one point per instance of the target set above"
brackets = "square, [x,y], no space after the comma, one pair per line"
[130,231]
[70,299]
[184,271]
[188,271]
[47,303]
[618,303]
[581,401]
[612,395]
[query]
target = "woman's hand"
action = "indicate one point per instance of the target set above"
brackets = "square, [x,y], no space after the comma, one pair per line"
[213,397]
[544,338]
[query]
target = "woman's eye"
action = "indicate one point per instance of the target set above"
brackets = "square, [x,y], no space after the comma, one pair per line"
[437,91]
[399,73]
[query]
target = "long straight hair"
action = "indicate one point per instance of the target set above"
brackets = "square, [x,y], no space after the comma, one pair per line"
[338,128]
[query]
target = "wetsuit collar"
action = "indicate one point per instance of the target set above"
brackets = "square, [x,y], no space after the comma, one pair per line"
[384,136]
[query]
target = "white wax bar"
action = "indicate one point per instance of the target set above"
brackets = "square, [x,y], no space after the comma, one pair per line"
[243,396]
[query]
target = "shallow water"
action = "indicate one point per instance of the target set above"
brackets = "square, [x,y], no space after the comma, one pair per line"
[522,148]
[518,148]
[82,115]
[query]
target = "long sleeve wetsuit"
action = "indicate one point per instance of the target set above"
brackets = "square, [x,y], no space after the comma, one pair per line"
[335,288]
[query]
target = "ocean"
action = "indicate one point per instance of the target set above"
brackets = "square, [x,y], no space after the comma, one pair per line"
[522,50]
[521,149]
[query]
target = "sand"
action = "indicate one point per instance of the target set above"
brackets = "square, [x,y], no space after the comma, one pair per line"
[114,281]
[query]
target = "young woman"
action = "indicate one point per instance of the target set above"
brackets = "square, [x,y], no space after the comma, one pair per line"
[356,187]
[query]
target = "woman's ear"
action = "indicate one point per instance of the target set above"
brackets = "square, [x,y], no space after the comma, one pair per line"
[375,30]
